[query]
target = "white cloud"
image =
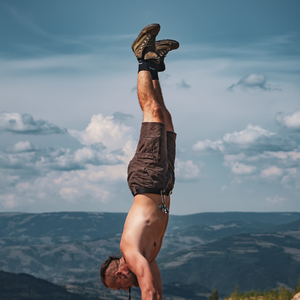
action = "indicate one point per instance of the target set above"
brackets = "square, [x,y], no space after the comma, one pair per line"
[106,130]
[186,170]
[241,169]
[290,120]
[248,136]
[253,81]
[253,139]
[95,184]
[25,124]
[22,146]
[24,156]
[33,174]
[257,153]
[208,146]
[272,171]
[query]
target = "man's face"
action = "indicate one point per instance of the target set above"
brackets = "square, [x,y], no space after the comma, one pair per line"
[123,279]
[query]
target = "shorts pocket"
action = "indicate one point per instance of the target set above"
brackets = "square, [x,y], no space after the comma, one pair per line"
[149,148]
[148,180]
[139,175]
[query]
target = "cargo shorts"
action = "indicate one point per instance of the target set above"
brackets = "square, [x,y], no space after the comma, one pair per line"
[152,166]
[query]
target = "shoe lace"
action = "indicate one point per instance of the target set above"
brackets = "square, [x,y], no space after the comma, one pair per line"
[163,53]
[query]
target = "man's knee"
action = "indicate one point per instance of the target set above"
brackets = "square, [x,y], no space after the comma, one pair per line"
[157,112]
[153,113]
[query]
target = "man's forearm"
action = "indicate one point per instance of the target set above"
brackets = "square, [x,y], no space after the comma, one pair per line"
[148,294]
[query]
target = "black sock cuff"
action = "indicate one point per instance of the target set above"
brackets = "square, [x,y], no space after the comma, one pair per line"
[146,65]
[154,74]
[143,65]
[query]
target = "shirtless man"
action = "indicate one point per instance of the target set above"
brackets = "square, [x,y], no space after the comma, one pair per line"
[150,177]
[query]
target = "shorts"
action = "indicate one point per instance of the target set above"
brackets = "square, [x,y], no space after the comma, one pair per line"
[153,163]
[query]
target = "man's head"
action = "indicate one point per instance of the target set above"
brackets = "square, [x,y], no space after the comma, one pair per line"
[116,275]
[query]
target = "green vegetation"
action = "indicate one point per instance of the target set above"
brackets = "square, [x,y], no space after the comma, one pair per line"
[281,294]
[214,295]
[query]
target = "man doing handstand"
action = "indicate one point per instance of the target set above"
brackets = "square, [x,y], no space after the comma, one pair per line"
[150,177]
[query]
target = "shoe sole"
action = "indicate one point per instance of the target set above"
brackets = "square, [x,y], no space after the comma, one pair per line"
[145,34]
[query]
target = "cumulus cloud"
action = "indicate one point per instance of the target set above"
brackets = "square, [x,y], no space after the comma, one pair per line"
[259,154]
[30,173]
[186,170]
[208,146]
[96,184]
[241,169]
[22,146]
[25,124]
[24,156]
[253,139]
[290,120]
[252,81]
[271,172]
[106,130]
[94,155]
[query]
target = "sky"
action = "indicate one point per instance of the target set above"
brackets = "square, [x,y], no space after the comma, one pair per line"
[70,118]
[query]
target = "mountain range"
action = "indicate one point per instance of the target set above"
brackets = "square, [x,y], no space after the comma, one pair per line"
[200,252]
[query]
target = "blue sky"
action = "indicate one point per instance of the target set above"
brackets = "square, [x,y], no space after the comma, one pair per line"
[70,119]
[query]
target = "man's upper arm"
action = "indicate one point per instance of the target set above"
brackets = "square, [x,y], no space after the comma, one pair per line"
[138,264]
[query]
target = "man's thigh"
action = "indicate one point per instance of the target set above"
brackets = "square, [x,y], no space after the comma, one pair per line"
[149,166]
[171,150]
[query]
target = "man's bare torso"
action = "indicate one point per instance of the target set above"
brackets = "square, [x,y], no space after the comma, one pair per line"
[145,226]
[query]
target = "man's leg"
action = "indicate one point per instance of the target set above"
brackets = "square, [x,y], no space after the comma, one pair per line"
[152,111]
[166,114]
[152,102]
[162,48]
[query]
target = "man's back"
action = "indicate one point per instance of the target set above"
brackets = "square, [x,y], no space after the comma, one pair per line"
[144,227]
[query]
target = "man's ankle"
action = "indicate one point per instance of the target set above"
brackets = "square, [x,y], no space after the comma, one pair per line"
[146,65]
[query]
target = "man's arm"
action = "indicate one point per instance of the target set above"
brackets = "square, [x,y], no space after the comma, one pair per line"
[157,278]
[138,264]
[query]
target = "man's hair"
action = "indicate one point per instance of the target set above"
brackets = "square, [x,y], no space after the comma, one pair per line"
[105,265]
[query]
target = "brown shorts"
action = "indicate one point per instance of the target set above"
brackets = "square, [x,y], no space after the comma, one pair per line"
[153,163]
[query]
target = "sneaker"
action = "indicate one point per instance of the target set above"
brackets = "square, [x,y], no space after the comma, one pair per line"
[144,45]
[162,48]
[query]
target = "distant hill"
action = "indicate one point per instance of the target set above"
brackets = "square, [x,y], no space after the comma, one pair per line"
[64,227]
[250,261]
[178,239]
[61,227]
[292,229]
[27,287]
[201,251]
[210,219]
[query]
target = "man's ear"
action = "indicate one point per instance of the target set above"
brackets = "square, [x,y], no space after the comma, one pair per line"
[118,273]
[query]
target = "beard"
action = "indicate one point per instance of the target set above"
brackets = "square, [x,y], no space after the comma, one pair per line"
[134,280]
